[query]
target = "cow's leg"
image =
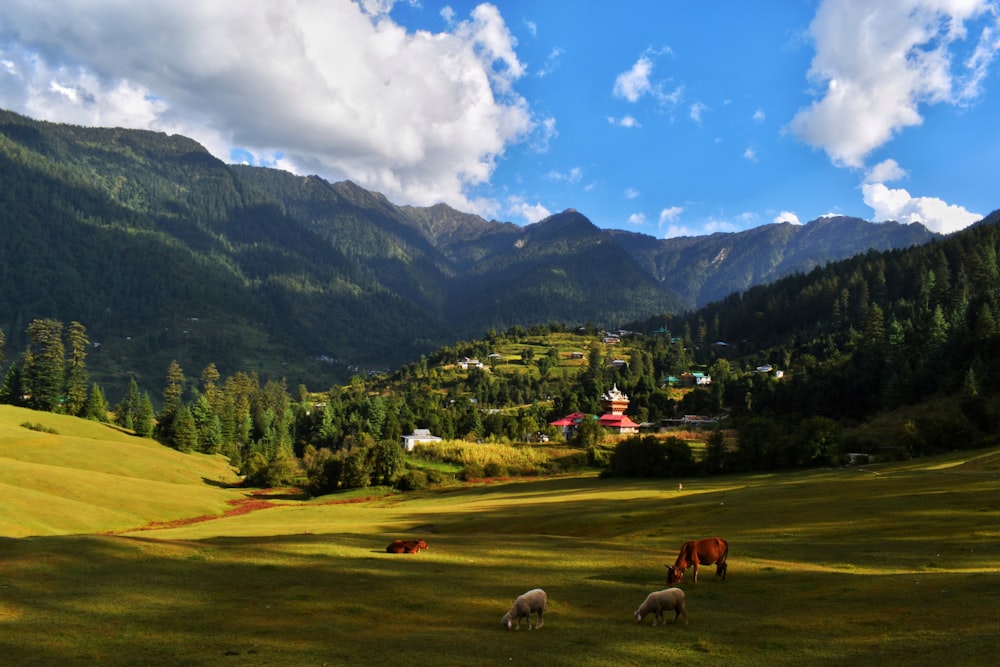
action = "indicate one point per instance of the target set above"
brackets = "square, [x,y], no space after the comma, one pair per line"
[696,570]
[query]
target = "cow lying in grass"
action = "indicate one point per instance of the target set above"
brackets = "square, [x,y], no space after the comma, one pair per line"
[406,546]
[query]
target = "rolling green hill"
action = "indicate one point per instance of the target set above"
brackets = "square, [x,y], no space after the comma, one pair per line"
[890,563]
[65,475]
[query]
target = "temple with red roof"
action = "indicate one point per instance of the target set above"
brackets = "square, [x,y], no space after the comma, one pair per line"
[614,403]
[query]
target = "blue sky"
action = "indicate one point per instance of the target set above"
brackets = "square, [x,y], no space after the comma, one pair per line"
[665,118]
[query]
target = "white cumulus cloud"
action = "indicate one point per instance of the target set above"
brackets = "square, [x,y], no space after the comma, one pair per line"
[787,216]
[677,231]
[624,121]
[877,63]
[696,110]
[935,214]
[517,206]
[333,87]
[884,172]
[670,214]
[634,83]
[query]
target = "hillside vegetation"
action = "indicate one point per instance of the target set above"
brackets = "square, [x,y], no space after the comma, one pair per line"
[165,253]
[890,563]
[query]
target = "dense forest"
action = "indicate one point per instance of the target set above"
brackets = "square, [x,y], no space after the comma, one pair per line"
[166,253]
[863,337]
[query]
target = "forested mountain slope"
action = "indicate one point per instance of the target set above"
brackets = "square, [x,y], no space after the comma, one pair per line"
[703,269]
[164,252]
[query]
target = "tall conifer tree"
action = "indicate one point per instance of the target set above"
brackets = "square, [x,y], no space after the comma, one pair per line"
[44,365]
[76,369]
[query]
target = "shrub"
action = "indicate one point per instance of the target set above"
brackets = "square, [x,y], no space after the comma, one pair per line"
[357,470]
[494,469]
[413,480]
[436,477]
[472,471]
[39,427]
[651,457]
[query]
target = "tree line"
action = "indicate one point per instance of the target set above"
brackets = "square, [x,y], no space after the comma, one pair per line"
[856,338]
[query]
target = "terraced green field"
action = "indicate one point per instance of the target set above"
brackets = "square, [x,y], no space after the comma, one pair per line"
[114,550]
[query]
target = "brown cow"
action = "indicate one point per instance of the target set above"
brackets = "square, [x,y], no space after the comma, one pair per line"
[699,552]
[406,546]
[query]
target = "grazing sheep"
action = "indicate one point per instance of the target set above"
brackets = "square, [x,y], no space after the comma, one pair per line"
[531,602]
[659,601]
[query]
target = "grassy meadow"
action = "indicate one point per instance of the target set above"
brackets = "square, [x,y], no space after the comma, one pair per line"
[116,551]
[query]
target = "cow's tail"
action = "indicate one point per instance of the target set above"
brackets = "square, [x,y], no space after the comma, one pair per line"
[725,551]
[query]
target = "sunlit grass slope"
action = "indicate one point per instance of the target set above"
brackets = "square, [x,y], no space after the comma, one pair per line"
[891,564]
[78,476]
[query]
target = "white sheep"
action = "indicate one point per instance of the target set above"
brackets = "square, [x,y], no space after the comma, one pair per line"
[659,601]
[531,602]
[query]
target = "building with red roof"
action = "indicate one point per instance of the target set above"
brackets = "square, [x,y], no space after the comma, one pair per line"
[614,402]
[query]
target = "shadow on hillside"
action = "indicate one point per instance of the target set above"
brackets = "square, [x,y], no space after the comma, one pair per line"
[221,484]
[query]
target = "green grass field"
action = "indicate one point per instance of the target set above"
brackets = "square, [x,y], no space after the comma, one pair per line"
[889,564]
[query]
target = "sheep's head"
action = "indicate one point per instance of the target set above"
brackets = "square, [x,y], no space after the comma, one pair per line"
[674,574]
[507,621]
[638,617]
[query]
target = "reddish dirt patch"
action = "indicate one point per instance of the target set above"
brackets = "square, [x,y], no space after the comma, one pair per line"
[240,506]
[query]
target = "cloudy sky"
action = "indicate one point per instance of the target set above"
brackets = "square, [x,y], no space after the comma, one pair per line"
[665,118]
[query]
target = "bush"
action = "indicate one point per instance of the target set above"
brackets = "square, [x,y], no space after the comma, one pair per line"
[494,469]
[436,477]
[413,480]
[572,461]
[651,457]
[357,470]
[471,471]
[39,427]
[598,457]
[323,469]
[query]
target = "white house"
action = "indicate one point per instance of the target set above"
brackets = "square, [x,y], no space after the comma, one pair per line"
[418,435]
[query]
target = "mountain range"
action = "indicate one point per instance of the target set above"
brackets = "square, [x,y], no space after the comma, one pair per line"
[165,252]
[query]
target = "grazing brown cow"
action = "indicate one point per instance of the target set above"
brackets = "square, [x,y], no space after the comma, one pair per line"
[406,546]
[699,552]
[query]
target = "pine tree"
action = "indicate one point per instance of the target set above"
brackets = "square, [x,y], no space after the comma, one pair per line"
[210,387]
[172,402]
[183,435]
[174,391]
[144,421]
[96,406]
[126,411]
[12,392]
[76,369]
[44,361]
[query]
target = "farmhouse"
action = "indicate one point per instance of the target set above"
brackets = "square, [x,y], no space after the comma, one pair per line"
[569,423]
[419,435]
[466,364]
